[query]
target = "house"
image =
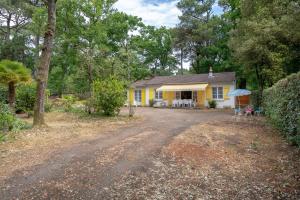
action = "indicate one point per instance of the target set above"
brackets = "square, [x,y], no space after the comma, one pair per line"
[198,88]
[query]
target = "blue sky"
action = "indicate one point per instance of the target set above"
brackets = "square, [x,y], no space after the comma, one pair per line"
[155,12]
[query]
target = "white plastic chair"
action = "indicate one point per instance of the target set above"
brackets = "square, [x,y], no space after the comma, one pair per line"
[175,103]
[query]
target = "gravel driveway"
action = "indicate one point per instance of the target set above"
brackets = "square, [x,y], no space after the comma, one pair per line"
[153,159]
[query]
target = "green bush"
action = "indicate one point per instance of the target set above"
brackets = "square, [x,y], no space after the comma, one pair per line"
[151,102]
[109,95]
[212,104]
[3,94]
[255,99]
[6,118]
[68,101]
[282,107]
[8,121]
[25,97]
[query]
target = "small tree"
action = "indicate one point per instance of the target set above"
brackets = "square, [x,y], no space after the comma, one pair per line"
[109,95]
[11,73]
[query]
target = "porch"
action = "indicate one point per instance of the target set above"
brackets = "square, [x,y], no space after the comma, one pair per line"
[180,96]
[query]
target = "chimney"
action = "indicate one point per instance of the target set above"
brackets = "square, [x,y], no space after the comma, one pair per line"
[210,74]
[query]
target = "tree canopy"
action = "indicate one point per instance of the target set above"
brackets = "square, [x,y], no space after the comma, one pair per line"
[259,40]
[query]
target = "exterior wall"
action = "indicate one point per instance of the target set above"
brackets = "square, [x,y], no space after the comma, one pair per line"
[203,96]
[147,96]
[131,96]
[227,101]
[169,97]
[151,94]
[143,103]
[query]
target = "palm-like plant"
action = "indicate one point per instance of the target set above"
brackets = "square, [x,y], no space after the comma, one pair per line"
[12,73]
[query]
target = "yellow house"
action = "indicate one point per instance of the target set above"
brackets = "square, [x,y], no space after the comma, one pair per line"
[173,91]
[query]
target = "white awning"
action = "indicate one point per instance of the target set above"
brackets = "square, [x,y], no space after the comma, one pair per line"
[193,87]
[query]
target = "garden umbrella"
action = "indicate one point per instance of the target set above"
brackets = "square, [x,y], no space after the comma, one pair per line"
[238,93]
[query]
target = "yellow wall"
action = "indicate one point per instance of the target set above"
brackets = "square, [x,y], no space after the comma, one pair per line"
[208,93]
[200,98]
[151,93]
[169,96]
[143,97]
[226,89]
[131,96]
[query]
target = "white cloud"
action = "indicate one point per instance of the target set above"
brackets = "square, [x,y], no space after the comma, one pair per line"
[158,14]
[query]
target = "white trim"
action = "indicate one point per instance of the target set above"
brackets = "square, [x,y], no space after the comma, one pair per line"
[212,92]
[147,96]
[137,103]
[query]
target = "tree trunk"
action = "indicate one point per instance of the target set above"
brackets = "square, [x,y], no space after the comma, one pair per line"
[11,95]
[43,68]
[260,85]
[181,61]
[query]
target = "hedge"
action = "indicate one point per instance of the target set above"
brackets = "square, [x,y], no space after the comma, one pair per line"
[282,107]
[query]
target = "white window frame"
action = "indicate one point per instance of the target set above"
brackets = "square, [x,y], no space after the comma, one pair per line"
[219,89]
[178,95]
[158,95]
[138,96]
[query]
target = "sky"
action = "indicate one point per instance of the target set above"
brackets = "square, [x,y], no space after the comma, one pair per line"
[155,12]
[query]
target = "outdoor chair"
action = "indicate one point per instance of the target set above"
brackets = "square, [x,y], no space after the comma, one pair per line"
[237,111]
[175,103]
[186,103]
[248,110]
[258,111]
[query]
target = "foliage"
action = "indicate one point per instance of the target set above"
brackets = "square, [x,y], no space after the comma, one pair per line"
[68,101]
[155,45]
[151,102]
[212,104]
[8,121]
[3,94]
[263,43]
[202,36]
[109,95]
[255,99]
[282,106]
[26,96]
[11,71]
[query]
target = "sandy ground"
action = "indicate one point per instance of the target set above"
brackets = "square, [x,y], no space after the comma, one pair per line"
[160,154]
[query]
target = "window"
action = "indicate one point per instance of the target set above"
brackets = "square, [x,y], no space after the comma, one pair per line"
[195,95]
[217,92]
[138,95]
[158,95]
[178,95]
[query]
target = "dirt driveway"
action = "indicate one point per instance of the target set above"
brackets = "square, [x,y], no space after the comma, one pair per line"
[167,154]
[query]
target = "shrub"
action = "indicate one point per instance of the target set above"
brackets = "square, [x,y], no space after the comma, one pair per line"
[68,101]
[109,95]
[255,99]
[26,96]
[3,94]
[6,118]
[282,106]
[8,121]
[151,102]
[212,104]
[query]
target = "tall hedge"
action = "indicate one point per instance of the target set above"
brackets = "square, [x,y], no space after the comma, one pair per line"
[282,106]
